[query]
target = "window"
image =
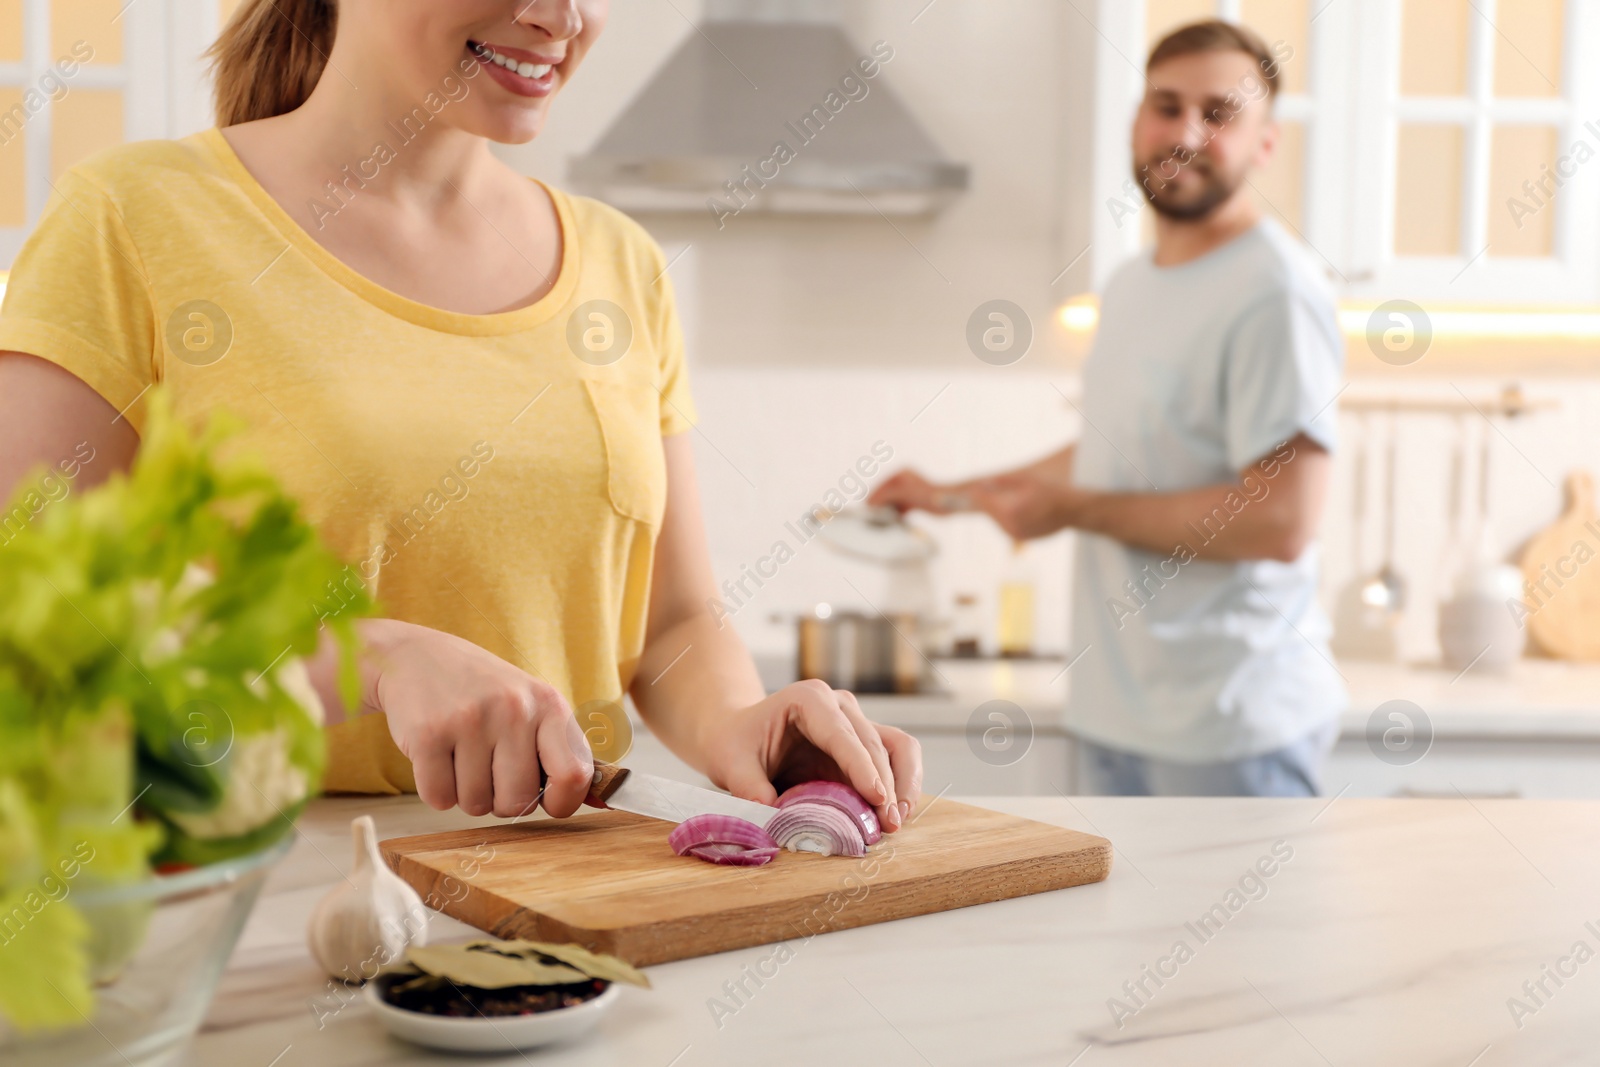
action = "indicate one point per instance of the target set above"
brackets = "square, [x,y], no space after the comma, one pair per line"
[1471,115]
[77,76]
[1433,149]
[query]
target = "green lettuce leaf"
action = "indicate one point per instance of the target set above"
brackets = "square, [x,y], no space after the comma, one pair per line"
[44,963]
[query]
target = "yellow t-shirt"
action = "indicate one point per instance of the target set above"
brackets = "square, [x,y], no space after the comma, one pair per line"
[500,477]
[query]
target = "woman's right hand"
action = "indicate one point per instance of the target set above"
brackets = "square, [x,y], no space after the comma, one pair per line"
[476,729]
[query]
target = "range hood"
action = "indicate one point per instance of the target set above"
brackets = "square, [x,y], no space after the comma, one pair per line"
[766,108]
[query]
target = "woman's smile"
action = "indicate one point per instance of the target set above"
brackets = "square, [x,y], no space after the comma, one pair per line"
[522,72]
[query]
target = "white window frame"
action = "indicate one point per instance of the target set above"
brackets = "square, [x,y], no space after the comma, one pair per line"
[1352,111]
[1572,273]
[165,90]
[193,25]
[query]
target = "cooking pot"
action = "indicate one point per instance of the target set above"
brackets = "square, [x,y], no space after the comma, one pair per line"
[860,652]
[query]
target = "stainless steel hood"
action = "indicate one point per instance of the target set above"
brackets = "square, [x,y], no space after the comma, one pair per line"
[766,107]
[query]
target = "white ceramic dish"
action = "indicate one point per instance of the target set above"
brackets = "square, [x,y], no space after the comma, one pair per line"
[501,1034]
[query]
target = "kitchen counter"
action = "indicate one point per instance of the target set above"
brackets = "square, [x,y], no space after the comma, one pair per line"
[1388,932]
[1533,731]
[1537,698]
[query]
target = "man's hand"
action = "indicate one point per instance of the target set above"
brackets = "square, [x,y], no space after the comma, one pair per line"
[1025,505]
[909,491]
[1031,501]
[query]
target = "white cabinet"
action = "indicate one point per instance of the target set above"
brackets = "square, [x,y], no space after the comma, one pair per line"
[950,765]
[1554,768]
[1531,732]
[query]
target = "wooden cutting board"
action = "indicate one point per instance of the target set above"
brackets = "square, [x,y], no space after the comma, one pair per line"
[609,880]
[1561,566]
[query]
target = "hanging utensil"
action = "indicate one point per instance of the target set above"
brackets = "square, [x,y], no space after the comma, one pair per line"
[1475,629]
[1487,552]
[1357,633]
[1456,557]
[1358,502]
[1384,594]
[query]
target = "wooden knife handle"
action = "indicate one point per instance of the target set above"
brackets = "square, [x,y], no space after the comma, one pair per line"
[607,776]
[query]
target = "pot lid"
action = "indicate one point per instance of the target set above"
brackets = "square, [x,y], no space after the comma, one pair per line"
[878,534]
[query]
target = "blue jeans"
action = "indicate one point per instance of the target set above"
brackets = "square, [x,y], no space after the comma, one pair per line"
[1291,771]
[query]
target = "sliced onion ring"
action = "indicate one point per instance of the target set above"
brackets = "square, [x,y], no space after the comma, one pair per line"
[734,855]
[813,826]
[723,839]
[842,797]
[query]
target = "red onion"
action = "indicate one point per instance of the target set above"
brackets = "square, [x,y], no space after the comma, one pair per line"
[734,855]
[842,797]
[723,839]
[812,826]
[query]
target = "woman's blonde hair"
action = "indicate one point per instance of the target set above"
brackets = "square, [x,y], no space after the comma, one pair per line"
[269,57]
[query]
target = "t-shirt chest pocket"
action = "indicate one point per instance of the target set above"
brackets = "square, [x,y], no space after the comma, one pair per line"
[630,424]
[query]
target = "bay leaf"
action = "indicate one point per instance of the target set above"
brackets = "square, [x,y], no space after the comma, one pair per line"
[593,964]
[473,966]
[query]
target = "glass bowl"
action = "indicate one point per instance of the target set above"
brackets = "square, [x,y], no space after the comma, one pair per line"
[159,946]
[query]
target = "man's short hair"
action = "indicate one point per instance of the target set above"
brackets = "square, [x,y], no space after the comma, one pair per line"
[1214,35]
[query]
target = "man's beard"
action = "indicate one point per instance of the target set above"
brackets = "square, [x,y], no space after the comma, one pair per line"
[1215,190]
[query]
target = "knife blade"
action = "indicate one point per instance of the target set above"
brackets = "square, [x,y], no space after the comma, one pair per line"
[665,798]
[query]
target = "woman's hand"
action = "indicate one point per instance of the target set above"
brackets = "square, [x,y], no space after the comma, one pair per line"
[806,731]
[476,729]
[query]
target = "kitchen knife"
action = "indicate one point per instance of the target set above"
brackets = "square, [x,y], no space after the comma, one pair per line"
[663,798]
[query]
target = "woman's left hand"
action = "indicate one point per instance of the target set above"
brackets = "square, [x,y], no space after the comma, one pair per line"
[806,731]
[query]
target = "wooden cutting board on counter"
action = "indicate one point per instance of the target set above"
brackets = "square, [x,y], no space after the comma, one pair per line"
[609,880]
[1559,566]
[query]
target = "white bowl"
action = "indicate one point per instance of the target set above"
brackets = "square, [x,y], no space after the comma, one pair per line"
[483,1034]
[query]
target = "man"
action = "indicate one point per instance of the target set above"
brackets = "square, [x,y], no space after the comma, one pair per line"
[1202,467]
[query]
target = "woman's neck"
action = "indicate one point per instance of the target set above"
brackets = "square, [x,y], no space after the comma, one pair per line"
[401,150]
[398,193]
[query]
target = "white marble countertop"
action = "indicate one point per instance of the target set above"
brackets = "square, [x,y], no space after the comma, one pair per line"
[1389,932]
[1535,699]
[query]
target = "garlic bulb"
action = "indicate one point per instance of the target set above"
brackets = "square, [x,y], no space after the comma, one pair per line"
[366,922]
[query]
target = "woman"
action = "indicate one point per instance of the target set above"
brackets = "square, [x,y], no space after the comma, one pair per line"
[473,383]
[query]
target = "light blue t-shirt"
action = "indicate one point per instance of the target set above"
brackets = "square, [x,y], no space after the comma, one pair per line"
[1199,371]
